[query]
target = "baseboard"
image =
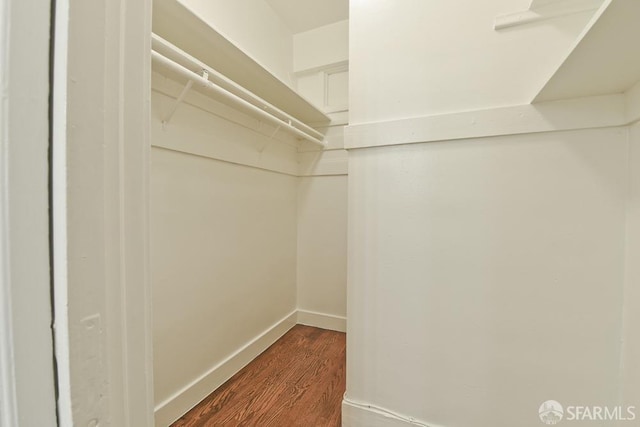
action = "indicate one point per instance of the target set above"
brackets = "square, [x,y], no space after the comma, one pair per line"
[177,405]
[322,320]
[356,414]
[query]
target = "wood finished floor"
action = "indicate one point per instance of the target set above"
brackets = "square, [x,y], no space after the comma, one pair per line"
[298,381]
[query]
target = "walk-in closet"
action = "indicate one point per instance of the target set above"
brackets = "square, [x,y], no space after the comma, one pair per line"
[248,180]
[319,213]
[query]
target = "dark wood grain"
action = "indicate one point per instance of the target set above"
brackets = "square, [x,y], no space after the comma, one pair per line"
[298,381]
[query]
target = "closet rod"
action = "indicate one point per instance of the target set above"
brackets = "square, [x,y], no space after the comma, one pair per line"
[159,45]
[230,97]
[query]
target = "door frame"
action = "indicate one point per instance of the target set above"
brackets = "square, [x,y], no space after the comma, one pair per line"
[102,294]
[26,339]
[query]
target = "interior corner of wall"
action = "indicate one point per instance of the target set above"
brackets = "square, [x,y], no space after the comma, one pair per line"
[632,103]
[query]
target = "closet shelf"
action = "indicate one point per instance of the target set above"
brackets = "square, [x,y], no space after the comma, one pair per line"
[180,66]
[184,29]
[604,59]
[544,10]
[179,72]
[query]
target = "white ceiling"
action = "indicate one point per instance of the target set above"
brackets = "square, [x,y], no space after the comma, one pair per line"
[305,15]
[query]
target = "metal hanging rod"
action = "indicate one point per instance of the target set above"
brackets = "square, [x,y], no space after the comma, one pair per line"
[180,62]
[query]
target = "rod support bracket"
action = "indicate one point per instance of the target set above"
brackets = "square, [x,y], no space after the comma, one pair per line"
[177,102]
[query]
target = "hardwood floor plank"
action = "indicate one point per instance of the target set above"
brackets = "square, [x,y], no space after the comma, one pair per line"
[298,381]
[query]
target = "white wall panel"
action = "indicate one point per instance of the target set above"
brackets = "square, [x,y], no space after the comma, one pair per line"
[426,57]
[322,244]
[486,276]
[239,242]
[630,373]
[26,346]
[223,261]
[321,46]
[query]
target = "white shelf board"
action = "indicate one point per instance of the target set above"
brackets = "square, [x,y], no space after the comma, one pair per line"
[605,59]
[543,10]
[185,29]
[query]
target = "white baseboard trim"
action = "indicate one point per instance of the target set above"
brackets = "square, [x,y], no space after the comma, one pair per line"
[358,414]
[322,320]
[181,402]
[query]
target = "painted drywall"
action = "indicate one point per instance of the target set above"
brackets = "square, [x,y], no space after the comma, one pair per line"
[422,58]
[321,64]
[206,150]
[321,55]
[486,276]
[332,161]
[328,88]
[241,246]
[254,27]
[321,46]
[223,261]
[322,193]
[630,373]
[223,234]
[27,386]
[304,15]
[322,244]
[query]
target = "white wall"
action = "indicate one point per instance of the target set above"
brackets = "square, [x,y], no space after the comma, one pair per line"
[424,58]
[223,261]
[322,234]
[631,346]
[321,64]
[223,235]
[486,276]
[27,389]
[321,46]
[248,225]
[253,27]
[322,244]
[320,54]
